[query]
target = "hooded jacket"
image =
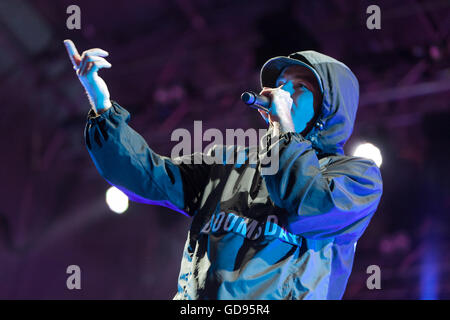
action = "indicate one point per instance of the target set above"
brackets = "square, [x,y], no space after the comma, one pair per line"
[288,235]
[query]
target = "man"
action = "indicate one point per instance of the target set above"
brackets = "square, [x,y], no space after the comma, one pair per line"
[288,235]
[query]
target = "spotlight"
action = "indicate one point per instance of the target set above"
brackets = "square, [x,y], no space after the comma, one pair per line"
[368,150]
[116,200]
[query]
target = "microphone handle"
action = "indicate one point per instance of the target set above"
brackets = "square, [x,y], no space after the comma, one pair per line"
[258,107]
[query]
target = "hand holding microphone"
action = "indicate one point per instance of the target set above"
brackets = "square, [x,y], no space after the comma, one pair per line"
[274,105]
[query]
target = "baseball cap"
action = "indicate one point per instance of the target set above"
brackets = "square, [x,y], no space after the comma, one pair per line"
[273,67]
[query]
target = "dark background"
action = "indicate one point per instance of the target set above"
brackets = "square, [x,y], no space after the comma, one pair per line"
[176,61]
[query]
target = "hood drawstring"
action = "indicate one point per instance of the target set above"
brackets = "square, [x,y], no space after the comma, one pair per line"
[312,135]
[319,124]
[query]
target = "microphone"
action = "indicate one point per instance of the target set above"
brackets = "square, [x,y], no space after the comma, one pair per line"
[256,101]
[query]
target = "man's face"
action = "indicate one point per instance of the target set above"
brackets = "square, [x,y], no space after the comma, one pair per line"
[301,83]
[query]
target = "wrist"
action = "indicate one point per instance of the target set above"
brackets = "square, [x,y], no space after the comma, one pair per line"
[283,126]
[103,107]
[277,127]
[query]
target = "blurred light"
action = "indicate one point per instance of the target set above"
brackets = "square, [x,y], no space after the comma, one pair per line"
[429,274]
[26,24]
[116,200]
[435,52]
[368,150]
[397,243]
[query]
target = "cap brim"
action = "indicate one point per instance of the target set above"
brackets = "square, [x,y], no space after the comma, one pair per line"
[273,67]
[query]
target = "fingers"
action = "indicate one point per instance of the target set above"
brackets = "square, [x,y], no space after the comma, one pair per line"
[96,52]
[72,52]
[264,115]
[268,92]
[97,64]
[91,63]
[85,63]
[269,118]
[280,105]
[90,53]
[276,95]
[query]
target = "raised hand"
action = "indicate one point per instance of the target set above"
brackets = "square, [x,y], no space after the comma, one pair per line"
[87,66]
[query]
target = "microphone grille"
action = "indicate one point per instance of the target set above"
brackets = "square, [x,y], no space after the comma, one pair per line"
[248,97]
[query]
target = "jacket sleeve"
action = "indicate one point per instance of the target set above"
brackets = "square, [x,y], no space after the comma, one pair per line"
[335,200]
[124,159]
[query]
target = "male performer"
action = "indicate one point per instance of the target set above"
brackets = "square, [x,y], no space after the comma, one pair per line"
[287,235]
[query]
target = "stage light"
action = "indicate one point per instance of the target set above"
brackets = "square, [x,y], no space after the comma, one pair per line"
[368,150]
[429,275]
[116,200]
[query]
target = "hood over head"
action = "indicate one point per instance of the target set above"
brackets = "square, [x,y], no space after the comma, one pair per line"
[340,89]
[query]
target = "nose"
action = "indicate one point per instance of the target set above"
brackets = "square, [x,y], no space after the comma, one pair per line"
[288,87]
